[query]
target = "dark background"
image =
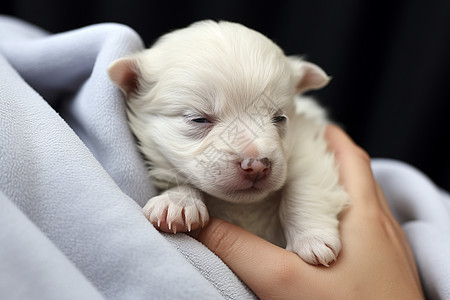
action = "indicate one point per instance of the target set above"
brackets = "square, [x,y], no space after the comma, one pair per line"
[390,60]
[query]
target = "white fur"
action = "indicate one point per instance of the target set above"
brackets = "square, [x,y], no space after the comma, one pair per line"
[205,101]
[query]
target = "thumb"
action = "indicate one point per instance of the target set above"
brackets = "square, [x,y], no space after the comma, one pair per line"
[252,258]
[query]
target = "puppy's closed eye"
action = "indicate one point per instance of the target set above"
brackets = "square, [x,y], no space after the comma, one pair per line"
[278,119]
[201,120]
[198,126]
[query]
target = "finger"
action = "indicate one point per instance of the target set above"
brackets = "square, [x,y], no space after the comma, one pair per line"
[383,202]
[264,267]
[354,163]
[400,234]
[355,170]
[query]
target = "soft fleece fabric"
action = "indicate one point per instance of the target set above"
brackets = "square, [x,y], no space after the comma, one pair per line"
[73,183]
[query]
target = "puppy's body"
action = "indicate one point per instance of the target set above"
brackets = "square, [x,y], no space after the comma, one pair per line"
[215,111]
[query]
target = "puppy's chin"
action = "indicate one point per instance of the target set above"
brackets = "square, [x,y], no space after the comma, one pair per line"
[250,195]
[242,191]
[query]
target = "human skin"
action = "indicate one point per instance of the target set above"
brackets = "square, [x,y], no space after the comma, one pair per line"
[375,262]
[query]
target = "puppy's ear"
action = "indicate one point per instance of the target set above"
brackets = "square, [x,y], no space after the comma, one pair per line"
[124,72]
[307,76]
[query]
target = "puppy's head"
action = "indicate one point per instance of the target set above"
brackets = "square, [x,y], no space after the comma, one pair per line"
[210,106]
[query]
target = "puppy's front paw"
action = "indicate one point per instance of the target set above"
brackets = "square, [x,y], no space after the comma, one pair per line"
[322,248]
[176,211]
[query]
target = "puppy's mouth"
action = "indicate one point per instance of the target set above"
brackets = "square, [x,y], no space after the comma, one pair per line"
[246,180]
[246,191]
[253,185]
[248,187]
[252,176]
[238,189]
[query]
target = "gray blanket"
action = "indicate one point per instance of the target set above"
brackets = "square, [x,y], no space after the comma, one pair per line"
[72,185]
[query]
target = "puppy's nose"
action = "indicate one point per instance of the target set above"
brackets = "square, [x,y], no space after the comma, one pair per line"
[255,169]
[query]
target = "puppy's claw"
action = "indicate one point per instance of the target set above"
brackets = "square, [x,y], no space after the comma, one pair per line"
[317,250]
[171,215]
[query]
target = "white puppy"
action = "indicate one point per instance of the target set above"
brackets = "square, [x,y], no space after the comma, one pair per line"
[215,110]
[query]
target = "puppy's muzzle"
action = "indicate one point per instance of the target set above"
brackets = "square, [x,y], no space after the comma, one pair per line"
[255,169]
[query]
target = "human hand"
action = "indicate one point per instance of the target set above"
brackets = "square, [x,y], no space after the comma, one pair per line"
[375,262]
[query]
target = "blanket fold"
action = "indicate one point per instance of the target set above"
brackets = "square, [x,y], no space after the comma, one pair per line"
[422,210]
[72,184]
[80,179]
